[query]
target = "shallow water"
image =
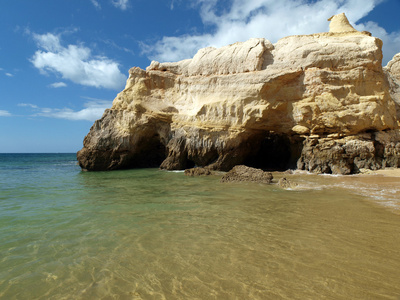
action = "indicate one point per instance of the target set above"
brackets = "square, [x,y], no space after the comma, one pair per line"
[151,234]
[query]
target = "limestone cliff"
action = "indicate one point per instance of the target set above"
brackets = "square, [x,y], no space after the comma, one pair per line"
[392,72]
[319,102]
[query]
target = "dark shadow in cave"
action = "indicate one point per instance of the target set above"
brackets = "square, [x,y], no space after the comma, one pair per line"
[148,154]
[275,152]
[190,164]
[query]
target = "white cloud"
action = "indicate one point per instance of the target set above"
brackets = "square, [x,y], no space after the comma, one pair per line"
[93,110]
[76,63]
[172,4]
[272,19]
[58,84]
[177,48]
[7,73]
[28,105]
[116,46]
[121,4]
[96,4]
[48,41]
[4,113]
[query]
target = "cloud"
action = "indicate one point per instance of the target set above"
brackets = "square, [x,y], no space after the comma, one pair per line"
[4,113]
[96,4]
[7,73]
[116,46]
[76,63]
[58,85]
[240,20]
[28,105]
[93,110]
[121,4]
[172,4]
[177,48]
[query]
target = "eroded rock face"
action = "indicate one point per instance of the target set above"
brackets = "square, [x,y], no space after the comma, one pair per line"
[392,72]
[350,154]
[320,102]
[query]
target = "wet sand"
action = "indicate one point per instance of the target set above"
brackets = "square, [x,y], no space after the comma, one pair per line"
[388,172]
[378,187]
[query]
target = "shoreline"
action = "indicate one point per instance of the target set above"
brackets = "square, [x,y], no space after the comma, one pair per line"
[387,172]
[378,187]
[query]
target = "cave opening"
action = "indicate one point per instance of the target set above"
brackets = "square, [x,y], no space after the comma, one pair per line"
[149,154]
[275,152]
[190,164]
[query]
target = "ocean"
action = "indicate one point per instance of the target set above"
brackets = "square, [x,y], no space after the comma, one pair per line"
[153,234]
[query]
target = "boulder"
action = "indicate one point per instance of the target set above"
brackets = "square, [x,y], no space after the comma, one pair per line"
[286,184]
[244,173]
[197,172]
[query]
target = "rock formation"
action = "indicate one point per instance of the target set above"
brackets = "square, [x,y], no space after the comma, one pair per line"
[319,102]
[340,23]
[392,72]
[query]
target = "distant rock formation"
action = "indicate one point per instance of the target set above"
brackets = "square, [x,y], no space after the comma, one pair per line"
[319,102]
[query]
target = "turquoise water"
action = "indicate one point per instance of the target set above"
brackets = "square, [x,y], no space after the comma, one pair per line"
[152,234]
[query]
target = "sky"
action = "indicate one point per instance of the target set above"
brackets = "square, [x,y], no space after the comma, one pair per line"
[62,62]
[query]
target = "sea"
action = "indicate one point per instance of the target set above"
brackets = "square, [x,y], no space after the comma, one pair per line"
[155,234]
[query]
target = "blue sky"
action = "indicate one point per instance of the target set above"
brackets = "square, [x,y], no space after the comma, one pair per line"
[62,62]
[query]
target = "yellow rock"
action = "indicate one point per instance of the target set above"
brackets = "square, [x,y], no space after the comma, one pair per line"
[340,23]
[226,105]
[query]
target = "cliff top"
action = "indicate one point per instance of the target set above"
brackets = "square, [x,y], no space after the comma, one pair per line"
[250,55]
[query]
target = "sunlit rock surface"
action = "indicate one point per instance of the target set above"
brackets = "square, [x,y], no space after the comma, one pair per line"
[319,102]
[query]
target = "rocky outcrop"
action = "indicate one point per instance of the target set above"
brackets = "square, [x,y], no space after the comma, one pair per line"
[340,23]
[286,183]
[349,154]
[244,173]
[392,72]
[319,102]
[197,172]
